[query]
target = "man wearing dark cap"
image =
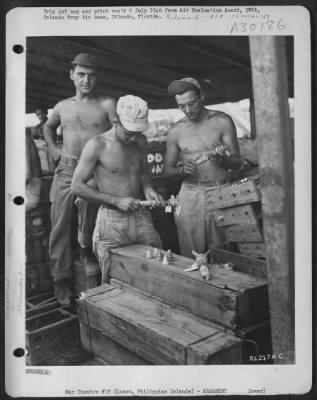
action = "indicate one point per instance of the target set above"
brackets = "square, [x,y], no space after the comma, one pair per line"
[202,135]
[81,117]
[118,160]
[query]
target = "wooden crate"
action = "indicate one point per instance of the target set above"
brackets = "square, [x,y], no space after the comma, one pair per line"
[47,331]
[153,330]
[257,342]
[40,303]
[36,221]
[256,250]
[242,263]
[251,232]
[232,195]
[38,279]
[246,213]
[112,353]
[85,276]
[230,298]
[36,248]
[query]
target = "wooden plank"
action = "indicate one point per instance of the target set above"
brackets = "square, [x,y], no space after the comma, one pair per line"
[244,233]
[153,330]
[215,300]
[250,249]
[232,195]
[243,214]
[242,263]
[111,352]
[219,349]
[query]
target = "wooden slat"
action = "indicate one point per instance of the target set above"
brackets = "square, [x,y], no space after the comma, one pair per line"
[111,352]
[218,349]
[216,300]
[251,232]
[232,195]
[242,263]
[243,214]
[256,249]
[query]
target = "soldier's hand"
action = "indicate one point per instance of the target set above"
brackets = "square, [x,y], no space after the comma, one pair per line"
[189,167]
[128,204]
[151,194]
[55,153]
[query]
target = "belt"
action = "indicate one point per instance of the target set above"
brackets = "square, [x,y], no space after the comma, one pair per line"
[209,183]
[68,160]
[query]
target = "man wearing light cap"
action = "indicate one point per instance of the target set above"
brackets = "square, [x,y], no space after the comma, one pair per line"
[81,117]
[118,161]
[202,134]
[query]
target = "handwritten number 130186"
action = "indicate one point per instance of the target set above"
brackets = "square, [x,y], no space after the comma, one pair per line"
[265,26]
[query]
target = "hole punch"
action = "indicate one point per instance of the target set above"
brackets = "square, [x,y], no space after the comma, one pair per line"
[19,352]
[18,200]
[18,48]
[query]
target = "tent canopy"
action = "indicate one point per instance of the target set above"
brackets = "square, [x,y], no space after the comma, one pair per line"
[144,66]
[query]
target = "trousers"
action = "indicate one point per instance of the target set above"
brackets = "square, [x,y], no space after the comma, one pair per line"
[116,228]
[195,231]
[62,209]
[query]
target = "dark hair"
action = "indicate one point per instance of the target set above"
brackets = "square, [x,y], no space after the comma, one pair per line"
[41,106]
[194,89]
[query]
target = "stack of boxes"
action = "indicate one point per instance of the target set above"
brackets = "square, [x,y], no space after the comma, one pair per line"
[152,313]
[236,208]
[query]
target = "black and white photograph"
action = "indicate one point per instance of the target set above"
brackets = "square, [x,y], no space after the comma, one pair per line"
[158,201]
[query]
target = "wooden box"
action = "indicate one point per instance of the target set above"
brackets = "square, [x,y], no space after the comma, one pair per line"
[36,221]
[40,303]
[38,279]
[85,276]
[112,353]
[242,263]
[246,213]
[230,298]
[153,330]
[232,195]
[251,232]
[256,250]
[36,248]
[257,343]
[47,331]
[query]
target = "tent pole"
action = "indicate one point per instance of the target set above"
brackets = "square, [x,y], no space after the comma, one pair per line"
[270,92]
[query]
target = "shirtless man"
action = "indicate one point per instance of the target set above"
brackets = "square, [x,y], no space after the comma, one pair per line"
[200,132]
[118,161]
[81,117]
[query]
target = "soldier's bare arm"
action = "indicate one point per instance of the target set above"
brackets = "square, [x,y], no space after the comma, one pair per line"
[50,132]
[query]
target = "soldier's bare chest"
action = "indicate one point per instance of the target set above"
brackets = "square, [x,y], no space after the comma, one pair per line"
[199,138]
[118,159]
[84,117]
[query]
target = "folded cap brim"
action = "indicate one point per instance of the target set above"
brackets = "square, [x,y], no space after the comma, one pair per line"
[177,87]
[134,126]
